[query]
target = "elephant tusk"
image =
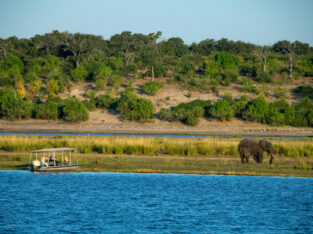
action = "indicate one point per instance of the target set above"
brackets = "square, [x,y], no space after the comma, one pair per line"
[273,155]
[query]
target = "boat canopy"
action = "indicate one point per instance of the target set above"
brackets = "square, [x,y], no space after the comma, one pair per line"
[53,150]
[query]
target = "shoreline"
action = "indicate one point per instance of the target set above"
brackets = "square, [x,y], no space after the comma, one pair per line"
[209,173]
[213,129]
[196,165]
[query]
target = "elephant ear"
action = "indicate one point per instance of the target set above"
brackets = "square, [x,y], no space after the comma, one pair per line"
[263,144]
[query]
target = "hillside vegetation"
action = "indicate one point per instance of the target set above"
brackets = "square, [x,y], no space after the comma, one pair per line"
[125,74]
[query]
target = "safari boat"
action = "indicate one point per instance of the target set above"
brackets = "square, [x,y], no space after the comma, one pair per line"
[53,160]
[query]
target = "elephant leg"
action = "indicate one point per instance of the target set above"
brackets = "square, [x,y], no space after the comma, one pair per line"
[260,157]
[242,158]
[246,154]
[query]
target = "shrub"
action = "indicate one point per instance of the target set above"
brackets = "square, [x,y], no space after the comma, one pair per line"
[134,108]
[281,92]
[166,114]
[256,110]
[221,110]
[151,88]
[228,97]
[115,81]
[188,113]
[103,101]
[303,113]
[264,77]
[191,119]
[89,104]
[79,74]
[100,84]
[74,111]
[48,110]
[12,106]
[240,106]
[248,86]
[306,91]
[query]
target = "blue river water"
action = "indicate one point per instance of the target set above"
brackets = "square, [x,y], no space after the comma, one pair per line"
[136,135]
[153,203]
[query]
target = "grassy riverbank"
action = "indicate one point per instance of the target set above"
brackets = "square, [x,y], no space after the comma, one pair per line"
[223,165]
[150,145]
[163,155]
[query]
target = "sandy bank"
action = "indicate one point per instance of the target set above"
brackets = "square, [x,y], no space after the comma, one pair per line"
[205,127]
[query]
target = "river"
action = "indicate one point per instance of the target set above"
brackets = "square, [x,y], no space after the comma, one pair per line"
[153,203]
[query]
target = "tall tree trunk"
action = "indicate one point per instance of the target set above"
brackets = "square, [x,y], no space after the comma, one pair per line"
[264,65]
[77,63]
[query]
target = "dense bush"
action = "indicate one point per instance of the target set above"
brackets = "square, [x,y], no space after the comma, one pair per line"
[306,91]
[74,111]
[240,106]
[89,104]
[12,106]
[188,113]
[256,110]
[152,87]
[221,110]
[264,77]
[248,86]
[303,113]
[132,107]
[103,101]
[48,110]
[79,74]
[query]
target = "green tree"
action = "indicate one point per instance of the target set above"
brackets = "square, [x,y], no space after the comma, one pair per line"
[48,110]
[221,110]
[151,88]
[79,74]
[12,106]
[74,111]
[134,108]
[256,110]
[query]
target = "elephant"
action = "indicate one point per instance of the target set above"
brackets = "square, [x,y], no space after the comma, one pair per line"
[255,148]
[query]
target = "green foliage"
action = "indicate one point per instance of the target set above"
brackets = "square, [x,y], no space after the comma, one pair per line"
[12,106]
[305,67]
[79,74]
[226,61]
[303,113]
[256,110]
[48,110]
[89,104]
[240,106]
[74,111]
[264,77]
[188,113]
[281,92]
[103,101]
[228,97]
[13,64]
[115,81]
[152,87]
[249,86]
[100,84]
[132,107]
[221,110]
[306,91]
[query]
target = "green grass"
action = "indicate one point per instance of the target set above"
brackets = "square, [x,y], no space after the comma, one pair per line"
[223,165]
[151,145]
[163,155]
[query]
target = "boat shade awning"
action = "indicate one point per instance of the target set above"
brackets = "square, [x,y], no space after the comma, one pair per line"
[53,150]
